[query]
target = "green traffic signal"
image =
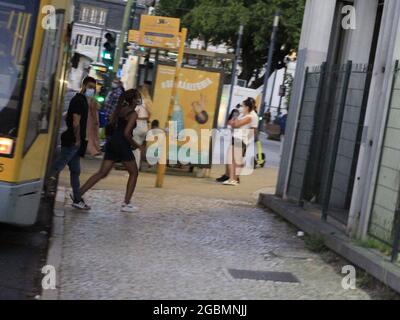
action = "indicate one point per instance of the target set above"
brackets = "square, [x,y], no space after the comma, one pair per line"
[107,56]
[100,99]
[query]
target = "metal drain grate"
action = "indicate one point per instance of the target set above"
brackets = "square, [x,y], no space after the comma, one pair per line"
[264,276]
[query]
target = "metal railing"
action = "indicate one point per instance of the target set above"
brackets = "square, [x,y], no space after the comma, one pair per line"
[305,129]
[328,135]
[327,144]
[384,224]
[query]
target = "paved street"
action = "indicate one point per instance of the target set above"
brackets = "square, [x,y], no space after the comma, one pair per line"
[184,241]
[22,256]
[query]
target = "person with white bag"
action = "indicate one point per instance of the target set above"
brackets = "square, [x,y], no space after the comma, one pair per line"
[140,132]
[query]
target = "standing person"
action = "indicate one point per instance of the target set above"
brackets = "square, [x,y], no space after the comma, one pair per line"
[236,114]
[260,157]
[268,116]
[240,142]
[93,129]
[282,124]
[119,147]
[73,141]
[140,132]
[112,98]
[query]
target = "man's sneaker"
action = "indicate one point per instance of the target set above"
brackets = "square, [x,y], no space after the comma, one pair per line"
[51,186]
[223,178]
[128,208]
[231,183]
[81,206]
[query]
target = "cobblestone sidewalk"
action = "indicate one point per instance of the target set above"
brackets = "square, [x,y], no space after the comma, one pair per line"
[181,245]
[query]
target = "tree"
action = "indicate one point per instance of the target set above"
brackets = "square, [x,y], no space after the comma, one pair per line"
[217,22]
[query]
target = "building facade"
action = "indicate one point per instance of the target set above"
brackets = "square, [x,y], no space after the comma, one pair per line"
[342,145]
[93,19]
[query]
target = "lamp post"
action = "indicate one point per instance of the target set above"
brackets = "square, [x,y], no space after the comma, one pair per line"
[234,70]
[268,66]
[124,29]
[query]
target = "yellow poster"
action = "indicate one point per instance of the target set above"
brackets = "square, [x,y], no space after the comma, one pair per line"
[134,36]
[197,100]
[159,32]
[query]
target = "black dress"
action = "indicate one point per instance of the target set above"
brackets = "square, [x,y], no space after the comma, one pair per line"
[118,149]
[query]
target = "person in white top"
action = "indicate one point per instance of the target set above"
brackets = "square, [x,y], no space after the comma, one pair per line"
[260,157]
[241,140]
[142,128]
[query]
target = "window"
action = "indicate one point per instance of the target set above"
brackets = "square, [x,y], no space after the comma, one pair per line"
[89,40]
[102,17]
[17,25]
[42,99]
[93,15]
[98,42]
[85,12]
[79,38]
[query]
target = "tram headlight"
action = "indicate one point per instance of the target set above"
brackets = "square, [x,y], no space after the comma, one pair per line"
[6,146]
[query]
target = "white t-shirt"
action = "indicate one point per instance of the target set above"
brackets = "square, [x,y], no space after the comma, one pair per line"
[142,111]
[254,120]
[238,133]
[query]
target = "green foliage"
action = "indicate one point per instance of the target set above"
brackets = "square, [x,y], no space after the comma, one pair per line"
[315,244]
[218,21]
[371,243]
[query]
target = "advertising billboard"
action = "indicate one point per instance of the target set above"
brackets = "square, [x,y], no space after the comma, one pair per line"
[196,106]
[158,32]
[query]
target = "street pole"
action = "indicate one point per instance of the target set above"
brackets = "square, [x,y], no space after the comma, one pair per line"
[100,45]
[268,66]
[162,166]
[281,94]
[234,70]
[273,91]
[125,25]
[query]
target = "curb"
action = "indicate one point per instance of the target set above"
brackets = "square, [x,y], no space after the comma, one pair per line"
[379,267]
[54,254]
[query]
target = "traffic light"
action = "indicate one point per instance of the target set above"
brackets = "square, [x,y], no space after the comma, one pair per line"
[109,51]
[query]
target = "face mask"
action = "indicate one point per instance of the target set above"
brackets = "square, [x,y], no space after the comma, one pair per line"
[90,93]
[241,110]
[114,86]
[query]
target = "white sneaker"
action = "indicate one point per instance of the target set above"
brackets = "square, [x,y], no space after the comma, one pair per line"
[231,183]
[128,208]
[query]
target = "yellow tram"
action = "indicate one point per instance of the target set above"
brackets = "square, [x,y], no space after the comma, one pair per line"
[34,40]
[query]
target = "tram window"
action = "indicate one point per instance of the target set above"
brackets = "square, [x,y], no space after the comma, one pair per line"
[39,114]
[17,28]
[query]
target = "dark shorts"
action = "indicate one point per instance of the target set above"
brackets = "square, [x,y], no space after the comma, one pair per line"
[118,151]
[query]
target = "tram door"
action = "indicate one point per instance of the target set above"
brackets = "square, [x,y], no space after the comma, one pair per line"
[29,86]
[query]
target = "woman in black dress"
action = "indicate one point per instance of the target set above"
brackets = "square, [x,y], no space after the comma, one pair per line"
[119,146]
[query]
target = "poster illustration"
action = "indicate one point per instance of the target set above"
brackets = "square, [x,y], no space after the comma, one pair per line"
[196,105]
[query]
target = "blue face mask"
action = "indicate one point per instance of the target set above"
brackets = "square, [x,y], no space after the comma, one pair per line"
[90,93]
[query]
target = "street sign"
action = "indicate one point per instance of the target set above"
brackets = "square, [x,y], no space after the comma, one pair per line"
[159,32]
